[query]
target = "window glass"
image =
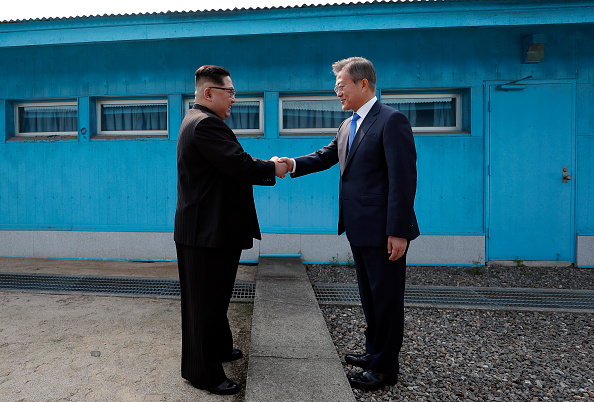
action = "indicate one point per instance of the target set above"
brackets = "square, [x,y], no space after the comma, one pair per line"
[245,117]
[428,112]
[311,115]
[46,119]
[133,117]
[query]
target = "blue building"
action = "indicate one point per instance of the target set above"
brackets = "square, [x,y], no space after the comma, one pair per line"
[500,94]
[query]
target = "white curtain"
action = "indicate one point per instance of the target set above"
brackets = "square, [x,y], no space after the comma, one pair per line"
[42,119]
[436,112]
[313,114]
[140,117]
[244,116]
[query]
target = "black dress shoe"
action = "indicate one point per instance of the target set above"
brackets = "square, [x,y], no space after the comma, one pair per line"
[227,387]
[371,381]
[358,360]
[234,355]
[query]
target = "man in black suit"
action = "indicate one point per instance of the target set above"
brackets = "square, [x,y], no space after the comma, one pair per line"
[376,153]
[215,219]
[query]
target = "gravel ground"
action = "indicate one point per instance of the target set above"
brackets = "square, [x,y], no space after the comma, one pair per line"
[487,276]
[479,355]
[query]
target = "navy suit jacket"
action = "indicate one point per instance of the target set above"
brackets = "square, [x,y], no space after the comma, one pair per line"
[215,200]
[378,177]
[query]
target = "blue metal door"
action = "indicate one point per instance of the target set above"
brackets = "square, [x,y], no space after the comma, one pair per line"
[531,159]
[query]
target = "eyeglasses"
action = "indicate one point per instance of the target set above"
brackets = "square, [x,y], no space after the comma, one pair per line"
[231,91]
[339,88]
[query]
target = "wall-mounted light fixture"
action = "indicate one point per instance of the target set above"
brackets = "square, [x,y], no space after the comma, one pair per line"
[533,48]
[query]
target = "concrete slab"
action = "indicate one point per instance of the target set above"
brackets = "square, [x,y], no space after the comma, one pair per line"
[287,291]
[292,356]
[281,268]
[297,380]
[300,337]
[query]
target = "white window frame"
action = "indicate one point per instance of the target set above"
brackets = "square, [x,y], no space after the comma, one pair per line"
[17,129]
[425,96]
[136,133]
[305,131]
[244,131]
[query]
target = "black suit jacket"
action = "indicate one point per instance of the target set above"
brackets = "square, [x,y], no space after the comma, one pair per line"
[378,177]
[215,201]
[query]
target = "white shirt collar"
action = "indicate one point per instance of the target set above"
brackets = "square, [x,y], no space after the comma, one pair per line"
[363,110]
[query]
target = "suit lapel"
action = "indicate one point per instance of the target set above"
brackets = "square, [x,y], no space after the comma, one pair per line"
[363,130]
[343,143]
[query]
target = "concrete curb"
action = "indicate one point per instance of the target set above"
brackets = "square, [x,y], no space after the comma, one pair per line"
[292,356]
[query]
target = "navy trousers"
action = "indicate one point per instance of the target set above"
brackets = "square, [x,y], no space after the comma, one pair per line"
[381,287]
[206,277]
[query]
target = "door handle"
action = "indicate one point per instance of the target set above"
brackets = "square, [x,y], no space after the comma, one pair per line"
[566,177]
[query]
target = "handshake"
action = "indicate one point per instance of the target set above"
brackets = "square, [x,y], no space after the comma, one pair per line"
[282,166]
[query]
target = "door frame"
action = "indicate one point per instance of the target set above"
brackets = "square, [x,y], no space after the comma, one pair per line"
[490,86]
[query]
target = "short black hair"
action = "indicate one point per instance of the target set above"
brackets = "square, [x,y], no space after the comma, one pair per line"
[211,73]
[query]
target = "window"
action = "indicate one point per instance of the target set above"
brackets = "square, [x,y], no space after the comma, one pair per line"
[246,116]
[132,117]
[45,119]
[429,112]
[311,115]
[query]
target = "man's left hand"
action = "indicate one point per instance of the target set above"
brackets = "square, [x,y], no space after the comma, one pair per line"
[396,247]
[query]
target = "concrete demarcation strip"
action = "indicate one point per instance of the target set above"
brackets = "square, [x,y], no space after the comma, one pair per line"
[292,356]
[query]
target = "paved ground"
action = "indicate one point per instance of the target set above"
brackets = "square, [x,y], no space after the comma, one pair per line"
[101,348]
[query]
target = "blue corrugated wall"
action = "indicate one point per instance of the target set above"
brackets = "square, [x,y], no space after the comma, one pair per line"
[130,184]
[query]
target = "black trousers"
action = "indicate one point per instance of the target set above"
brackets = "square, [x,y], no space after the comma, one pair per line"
[381,287]
[206,277]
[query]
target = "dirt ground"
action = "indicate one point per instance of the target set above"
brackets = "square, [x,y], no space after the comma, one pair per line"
[136,269]
[74,347]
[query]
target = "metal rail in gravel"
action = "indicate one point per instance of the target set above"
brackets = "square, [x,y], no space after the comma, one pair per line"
[476,297]
[242,291]
[325,293]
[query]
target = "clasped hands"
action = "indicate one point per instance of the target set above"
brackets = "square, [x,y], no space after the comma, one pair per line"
[282,166]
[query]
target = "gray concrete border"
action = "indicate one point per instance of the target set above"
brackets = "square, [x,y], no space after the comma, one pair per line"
[292,356]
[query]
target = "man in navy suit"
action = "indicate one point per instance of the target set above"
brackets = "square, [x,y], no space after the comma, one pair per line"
[378,180]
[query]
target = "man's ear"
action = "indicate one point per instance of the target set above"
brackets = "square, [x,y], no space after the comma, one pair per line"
[207,93]
[365,83]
